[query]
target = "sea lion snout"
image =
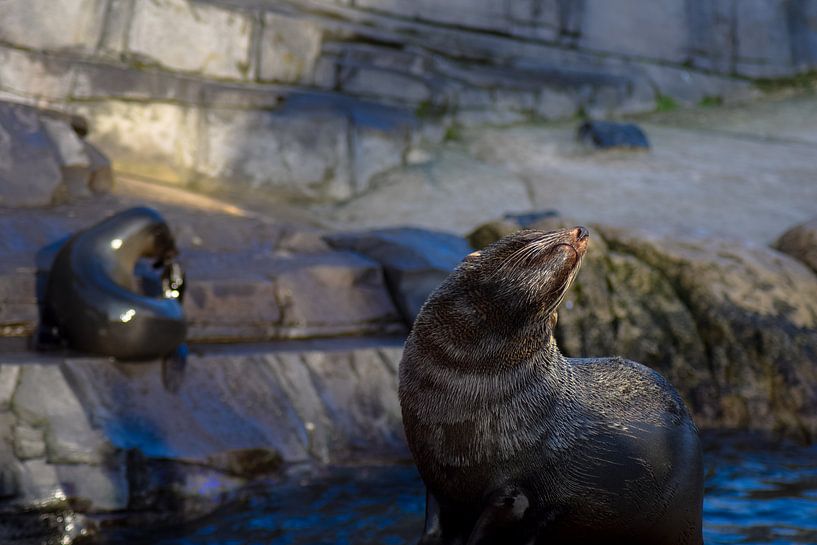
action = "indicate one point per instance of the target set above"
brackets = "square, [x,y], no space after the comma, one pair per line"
[581,236]
[581,233]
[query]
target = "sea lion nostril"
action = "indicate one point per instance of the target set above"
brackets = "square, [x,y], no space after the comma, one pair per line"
[582,233]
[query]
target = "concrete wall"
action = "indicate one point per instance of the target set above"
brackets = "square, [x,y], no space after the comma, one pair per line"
[310,99]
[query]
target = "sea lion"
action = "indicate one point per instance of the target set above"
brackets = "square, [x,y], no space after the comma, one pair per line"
[517,444]
[97,304]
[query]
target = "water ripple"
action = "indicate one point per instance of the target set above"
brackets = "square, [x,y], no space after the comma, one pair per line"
[753,496]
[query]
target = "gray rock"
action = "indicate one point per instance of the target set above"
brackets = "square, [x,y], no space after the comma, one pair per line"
[800,242]
[316,299]
[72,156]
[286,296]
[555,104]
[155,140]
[382,84]
[537,14]
[377,147]
[289,48]
[711,34]
[29,442]
[113,41]
[292,153]
[415,261]
[690,87]
[101,171]
[9,474]
[44,399]
[57,24]
[29,76]
[296,382]
[452,193]
[100,488]
[43,159]
[642,29]
[96,82]
[40,485]
[192,37]
[802,21]
[237,399]
[29,170]
[763,41]
[483,14]
[368,423]
[8,383]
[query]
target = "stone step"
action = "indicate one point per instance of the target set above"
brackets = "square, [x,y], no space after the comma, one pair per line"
[249,279]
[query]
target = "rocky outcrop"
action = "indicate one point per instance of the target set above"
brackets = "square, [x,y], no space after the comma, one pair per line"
[445,189]
[228,96]
[415,261]
[800,242]
[44,159]
[732,325]
[95,436]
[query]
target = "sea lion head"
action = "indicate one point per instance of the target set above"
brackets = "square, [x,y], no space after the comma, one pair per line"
[501,302]
[531,269]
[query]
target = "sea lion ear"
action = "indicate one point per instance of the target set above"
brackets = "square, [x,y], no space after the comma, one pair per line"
[554,317]
[473,255]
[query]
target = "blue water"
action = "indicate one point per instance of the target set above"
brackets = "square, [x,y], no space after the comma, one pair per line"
[757,495]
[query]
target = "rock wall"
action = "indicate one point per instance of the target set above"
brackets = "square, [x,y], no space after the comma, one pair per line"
[311,99]
[44,159]
[96,436]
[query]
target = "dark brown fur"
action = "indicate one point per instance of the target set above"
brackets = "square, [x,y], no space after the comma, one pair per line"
[518,444]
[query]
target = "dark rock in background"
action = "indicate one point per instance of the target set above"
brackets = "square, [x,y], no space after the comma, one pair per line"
[611,135]
[800,242]
[415,261]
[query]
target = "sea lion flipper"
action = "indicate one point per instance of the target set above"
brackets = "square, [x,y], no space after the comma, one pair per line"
[432,529]
[503,519]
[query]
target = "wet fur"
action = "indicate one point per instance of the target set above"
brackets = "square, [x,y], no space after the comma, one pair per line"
[596,450]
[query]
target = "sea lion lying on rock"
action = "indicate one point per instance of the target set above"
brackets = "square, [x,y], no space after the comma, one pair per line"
[96,303]
[518,444]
